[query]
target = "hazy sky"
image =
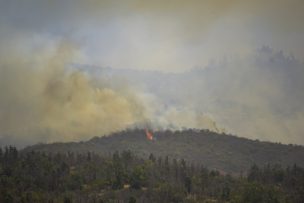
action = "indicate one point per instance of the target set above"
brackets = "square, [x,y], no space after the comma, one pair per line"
[156,35]
[40,38]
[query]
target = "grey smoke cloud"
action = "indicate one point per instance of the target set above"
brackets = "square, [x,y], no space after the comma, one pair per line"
[45,99]
[41,101]
[256,95]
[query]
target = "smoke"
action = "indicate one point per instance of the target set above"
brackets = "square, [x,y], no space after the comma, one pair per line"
[159,115]
[164,35]
[259,96]
[45,99]
[184,119]
[42,100]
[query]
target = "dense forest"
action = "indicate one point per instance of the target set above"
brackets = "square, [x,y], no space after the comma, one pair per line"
[222,152]
[125,177]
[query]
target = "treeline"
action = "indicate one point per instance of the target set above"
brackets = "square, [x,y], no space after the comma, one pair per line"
[124,177]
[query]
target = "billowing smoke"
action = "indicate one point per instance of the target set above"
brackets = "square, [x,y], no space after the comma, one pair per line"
[41,100]
[45,99]
[163,115]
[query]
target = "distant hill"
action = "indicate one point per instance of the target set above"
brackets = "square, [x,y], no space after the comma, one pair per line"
[223,152]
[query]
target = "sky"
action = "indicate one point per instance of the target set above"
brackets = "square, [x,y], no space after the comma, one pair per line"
[41,38]
[157,35]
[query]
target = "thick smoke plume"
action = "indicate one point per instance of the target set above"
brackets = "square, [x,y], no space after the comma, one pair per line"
[42,101]
[45,99]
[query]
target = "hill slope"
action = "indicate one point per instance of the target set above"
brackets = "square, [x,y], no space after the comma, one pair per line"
[216,151]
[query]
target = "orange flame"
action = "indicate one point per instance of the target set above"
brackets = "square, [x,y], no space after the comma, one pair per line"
[149,135]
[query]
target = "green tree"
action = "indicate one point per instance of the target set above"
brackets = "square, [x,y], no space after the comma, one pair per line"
[138,177]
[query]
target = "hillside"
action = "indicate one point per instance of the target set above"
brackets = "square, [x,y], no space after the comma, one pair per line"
[215,151]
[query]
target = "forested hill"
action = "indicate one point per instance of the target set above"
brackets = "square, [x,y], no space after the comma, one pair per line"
[222,152]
